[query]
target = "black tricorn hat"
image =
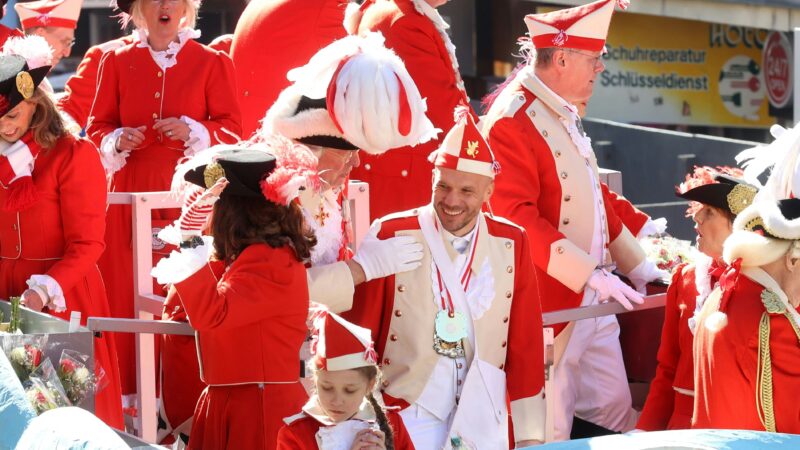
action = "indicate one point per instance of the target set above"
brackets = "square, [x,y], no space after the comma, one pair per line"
[728,194]
[243,168]
[17,81]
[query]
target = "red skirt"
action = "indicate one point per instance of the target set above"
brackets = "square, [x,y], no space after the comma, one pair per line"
[89,297]
[247,416]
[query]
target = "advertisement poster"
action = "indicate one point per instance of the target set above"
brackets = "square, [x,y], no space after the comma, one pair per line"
[673,71]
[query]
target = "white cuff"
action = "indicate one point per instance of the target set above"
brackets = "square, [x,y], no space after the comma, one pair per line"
[179,266]
[50,291]
[199,138]
[171,235]
[653,227]
[112,160]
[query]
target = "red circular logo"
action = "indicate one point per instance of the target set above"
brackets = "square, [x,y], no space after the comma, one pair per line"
[777,66]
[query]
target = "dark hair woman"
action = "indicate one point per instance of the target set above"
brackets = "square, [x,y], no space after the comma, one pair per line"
[52,209]
[244,290]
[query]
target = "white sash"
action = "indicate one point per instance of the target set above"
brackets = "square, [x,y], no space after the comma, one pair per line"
[481,418]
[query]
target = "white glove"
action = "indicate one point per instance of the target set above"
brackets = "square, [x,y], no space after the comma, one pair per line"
[644,273]
[381,258]
[608,285]
[653,227]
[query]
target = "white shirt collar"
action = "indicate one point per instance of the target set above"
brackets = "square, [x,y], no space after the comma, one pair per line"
[451,238]
[313,408]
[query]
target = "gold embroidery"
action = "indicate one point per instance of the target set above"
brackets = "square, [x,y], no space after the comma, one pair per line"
[321,215]
[25,84]
[212,173]
[472,149]
[740,198]
[772,303]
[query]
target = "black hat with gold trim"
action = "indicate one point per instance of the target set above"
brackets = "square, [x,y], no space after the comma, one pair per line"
[721,187]
[24,63]
[244,169]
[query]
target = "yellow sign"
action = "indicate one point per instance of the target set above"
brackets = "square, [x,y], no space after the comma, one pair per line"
[671,71]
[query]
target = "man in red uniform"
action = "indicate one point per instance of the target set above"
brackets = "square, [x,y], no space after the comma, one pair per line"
[551,186]
[270,27]
[414,29]
[459,337]
[54,20]
[747,345]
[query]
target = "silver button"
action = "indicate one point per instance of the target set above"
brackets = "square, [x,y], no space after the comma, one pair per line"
[367,166]
[404,173]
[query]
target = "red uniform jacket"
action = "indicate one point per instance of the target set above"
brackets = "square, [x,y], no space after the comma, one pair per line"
[61,235]
[301,434]
[401,179]
[665,408]
[726,364]
[271,38]
[633,218]
[80,88]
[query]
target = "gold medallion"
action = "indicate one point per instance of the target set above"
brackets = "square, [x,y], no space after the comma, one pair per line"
[212,173]
[25,84]
[740,197]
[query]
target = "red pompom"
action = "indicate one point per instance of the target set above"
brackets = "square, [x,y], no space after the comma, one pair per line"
[22,193]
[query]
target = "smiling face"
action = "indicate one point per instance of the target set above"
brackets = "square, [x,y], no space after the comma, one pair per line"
[458,197]
[17,121]
[341,392]
[334,165]
[713,226]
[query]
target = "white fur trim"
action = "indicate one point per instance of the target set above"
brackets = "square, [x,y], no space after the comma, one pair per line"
[112,160]
[170,234]
[352,17]
[754,249]
[199,138]
[776,223]
[54,296]
[782,155]
[182,264]
[34,48]
[716,321]
[329,235]
[702,283]
[282,120]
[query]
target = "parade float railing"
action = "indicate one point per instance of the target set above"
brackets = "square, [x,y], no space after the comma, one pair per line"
[148,305]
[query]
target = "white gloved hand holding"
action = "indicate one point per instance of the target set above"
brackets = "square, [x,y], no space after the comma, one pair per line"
[608,285]
[381,258]
[653,227]
[644,273]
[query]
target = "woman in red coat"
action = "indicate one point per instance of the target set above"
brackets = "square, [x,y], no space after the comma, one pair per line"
[52,213]
[159,99]
[670,400]
[248,302]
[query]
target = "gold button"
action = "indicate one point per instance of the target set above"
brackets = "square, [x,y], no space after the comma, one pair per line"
[558,153]
[508,294]
[158,95]
[155,116]
[565,221]
[398,313]
[509,269]
[544,133]
[567,198]
[247,93]
[508,244]
[367,166]
[160,74]
[385,383]
[563,175]
[560,250]
[505,319]
[459,366]
[504,344]
[533,113]
[404,173]
[401,288]
[387,362]
[393,338]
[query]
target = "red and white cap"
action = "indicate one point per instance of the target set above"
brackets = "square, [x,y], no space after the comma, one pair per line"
[340,345]
[581,28]
[49,13]
[464,148]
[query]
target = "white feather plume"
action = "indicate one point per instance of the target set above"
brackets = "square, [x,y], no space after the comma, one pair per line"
[35,49]
[782,156]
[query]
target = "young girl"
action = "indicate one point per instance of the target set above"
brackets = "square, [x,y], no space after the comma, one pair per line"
[343,414]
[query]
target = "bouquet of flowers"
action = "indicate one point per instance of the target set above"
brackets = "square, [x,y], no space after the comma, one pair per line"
[44,389]
[668,252]
[25,353]
[77,379]
[39,395]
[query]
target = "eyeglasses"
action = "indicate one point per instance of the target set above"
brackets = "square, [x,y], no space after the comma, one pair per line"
[595,59]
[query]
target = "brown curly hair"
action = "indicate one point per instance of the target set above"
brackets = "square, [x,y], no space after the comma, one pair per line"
[238,222]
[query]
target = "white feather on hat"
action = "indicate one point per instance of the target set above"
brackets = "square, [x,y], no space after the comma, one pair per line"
[35,49]
[783,156]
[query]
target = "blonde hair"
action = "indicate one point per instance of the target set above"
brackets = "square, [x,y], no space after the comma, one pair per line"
[137,15]
[46,122]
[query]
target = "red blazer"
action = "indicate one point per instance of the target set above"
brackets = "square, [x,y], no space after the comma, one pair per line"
[301,434]
[80,88]
[401,179]
[290,32]
[251,322]
[633,218]
[666,408]
[726,364]
[132,85]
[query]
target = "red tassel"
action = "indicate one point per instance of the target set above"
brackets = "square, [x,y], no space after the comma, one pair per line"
[22,193]
[404,117]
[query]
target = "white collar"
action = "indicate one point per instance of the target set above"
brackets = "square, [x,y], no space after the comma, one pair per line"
[556,101]
[167,58]
[450,237]
[313,408]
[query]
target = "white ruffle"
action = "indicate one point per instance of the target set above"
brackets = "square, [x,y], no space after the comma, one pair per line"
[180,265]
[653,227]
[341,435]
[167,58]
[329,235]
[441,26]
[112,159]
[480,293]
[581,140]
[702,283]
[170,234]
[199,138]
[54,296]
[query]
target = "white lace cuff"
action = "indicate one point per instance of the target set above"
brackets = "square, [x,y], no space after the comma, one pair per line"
[653,227]
[180,265]
[199,138]
[113,160]
[50,291]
